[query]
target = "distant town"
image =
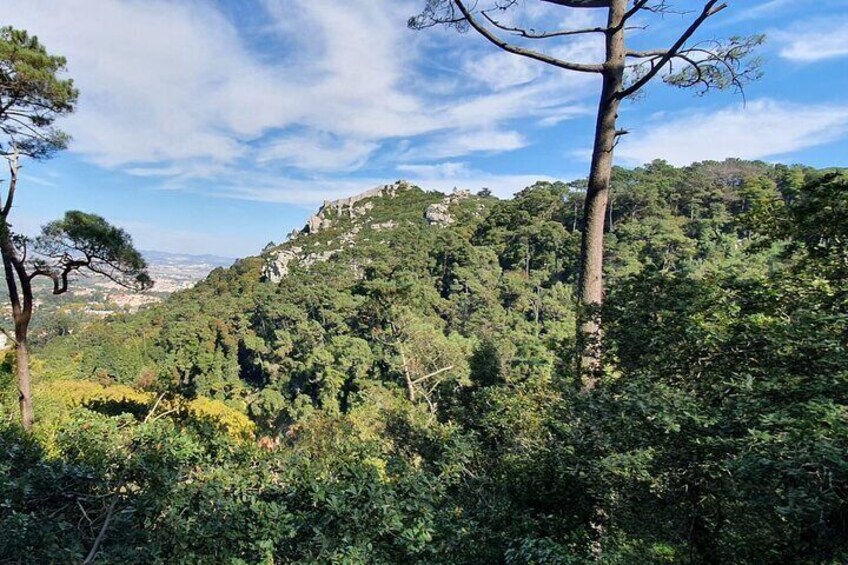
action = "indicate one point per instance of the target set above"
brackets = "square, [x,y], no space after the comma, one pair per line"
[97,297]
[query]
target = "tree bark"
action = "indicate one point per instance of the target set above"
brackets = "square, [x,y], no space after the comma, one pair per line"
[410,387]
[21,314]
[24,382]
[591,287]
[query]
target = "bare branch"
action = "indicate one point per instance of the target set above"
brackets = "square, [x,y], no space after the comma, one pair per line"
[410,388]
[532,34]
[155,406]
[482,30]
[5,332]
[711,64]
[637,7]
[710,9]
[14,166]
[464,17]
[433,374]
[581,3]
[92,554]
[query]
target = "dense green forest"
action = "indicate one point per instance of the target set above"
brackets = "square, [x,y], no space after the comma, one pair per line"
[405,392]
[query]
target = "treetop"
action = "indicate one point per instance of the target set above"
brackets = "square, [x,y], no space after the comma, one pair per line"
[87,240]
[32,95]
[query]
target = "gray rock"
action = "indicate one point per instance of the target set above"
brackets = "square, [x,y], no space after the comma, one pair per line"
[313,258]
[317,223]
[348,206]
[277,265]
[384,225]
[439,213]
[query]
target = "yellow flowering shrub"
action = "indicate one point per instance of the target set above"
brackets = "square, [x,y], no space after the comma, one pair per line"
[58,396]
[216,413]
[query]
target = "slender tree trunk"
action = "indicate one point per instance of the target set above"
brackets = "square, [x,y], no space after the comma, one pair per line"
[591,288]
[24,382]
[21,314]
[410,388]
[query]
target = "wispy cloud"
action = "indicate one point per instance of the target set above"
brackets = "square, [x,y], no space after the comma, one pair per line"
[761,10]
[327,98]
[815,40]
[32,179]
[764,128]
[446,169]
[454,144]
[317,152]
[503,186]
[176,90]
[147,235]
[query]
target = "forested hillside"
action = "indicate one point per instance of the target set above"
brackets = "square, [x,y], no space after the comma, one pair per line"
[397,383]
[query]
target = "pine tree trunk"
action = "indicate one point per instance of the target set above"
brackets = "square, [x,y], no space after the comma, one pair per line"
[24,382]
[21,314]
[591,288]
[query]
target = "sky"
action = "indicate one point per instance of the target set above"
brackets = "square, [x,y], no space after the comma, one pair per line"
[214,127]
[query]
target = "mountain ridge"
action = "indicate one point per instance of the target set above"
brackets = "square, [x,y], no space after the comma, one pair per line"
[348,220]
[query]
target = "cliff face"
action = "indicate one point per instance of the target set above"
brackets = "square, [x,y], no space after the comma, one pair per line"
[341,224]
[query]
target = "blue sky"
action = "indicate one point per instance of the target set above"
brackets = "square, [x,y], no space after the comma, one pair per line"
[213,127]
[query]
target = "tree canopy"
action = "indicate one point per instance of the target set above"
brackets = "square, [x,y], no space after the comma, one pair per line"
[32,95]
[81,240]
[277,419]
[683,62]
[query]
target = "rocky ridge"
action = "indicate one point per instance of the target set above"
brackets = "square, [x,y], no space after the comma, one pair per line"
[339,224]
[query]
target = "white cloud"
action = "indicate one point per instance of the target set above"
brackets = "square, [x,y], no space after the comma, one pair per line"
[763,128]
[160,81]
[459,144]
[762,10]
[815,40]
[497,71]
[176,90]
[317,152]
[311,192]
[439,170]
[787,10]
[567,112]
[32,179]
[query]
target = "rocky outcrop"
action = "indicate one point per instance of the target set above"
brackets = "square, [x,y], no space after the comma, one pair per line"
[277,265]
[317,223]
[353,222]
[384,225]
[349,206]
[313,258]
[349,238]
[439,213]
